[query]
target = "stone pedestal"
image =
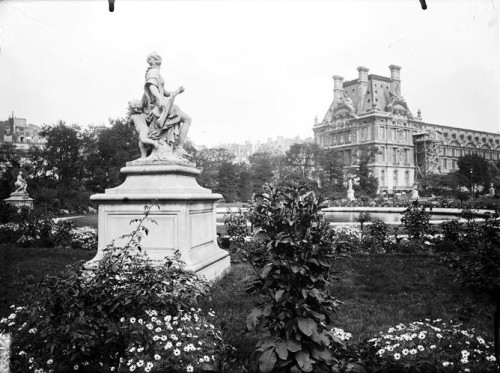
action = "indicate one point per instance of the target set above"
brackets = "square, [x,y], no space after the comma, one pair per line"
[186,217]
[20,199]
[350,195]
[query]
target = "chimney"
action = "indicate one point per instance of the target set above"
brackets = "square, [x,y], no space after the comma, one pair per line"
[363,74]
[362,88]
[395,80]
[338,88]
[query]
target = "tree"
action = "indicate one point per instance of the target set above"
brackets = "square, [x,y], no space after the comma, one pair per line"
[332,173]
[304,161]
[11,162]
[209,161]
[63,153]
[227,181]
[262,169]
[480,170]
[244,182]
[367,183]
[106,152]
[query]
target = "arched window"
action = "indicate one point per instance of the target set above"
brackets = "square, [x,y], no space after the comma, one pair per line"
[382,178]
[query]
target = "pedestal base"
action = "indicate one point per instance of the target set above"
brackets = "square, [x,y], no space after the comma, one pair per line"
[350,195]
[20,199]
[184,213]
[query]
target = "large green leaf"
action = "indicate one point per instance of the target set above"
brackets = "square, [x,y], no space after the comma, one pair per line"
[323,354]
[293,345]
[282,350]
[306,326]
[305,363]
[267,361]
[253,319]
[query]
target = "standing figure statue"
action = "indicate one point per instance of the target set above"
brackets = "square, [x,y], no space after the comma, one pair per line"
[20,183]
[167,123]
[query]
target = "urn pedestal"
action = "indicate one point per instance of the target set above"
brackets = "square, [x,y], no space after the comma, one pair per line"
[185,219]
[20,199]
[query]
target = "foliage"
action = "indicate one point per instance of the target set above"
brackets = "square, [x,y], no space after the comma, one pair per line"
[7,211]
[430,346]
[121,314]
[367,183]
[378,231]
[480,171]
[227,181]
[332,174]
[363,217]
[293,263]
[415,221]
[236,226]
[106,151]
[262,166]
[63,153]
[477,260]
[209,162]
[303,160]
[345,239]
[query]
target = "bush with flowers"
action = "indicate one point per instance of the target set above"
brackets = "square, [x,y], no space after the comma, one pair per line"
[429,346]
[83,238]
[127,314]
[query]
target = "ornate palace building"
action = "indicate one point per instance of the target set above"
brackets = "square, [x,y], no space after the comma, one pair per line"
[370,111]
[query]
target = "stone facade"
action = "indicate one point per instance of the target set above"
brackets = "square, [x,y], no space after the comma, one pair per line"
[18,132]
[370,111]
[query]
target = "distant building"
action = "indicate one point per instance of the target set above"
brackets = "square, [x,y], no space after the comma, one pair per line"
[370,111]
[242,152]
[18,132]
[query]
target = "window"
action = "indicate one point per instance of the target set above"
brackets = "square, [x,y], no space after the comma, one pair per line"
[394,155]
[395,179]
[349,136]
[382,178]
[407,156]
[407,178]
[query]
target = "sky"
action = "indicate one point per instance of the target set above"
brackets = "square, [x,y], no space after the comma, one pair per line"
[251,70]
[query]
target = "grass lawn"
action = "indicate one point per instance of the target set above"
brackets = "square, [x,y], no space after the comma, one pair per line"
[21,266]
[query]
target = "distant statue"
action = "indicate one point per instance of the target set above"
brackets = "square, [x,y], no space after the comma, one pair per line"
[137,118]
[414,192]
[167,123]
[350,191]
[20,183]
[492,190]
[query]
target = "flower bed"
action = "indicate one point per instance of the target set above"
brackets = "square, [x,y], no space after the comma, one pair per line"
[431,346]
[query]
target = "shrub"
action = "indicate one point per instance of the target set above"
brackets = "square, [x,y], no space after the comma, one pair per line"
[7,211]
[363,217]
[430,346]
[127,313]
[236,229]
[345,239]
[292,261]
[451,230]
[477,265]
[415,220]
[379,232]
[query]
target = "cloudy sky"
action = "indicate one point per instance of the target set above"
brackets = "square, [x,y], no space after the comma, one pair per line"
[251,69]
